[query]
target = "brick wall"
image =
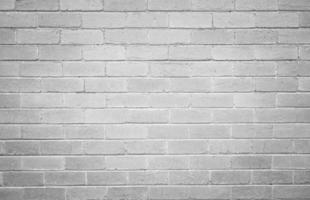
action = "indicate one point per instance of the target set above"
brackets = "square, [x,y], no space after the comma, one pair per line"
[154,99]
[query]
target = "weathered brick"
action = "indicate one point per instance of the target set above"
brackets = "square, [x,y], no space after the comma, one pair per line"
[102,20]
[291,192]
[272,177]
[106,178]
[296,5]
[189,177]
[55,52]
[44,193]
[7,4]
[168,162]
[210,162]
[187,147]
[169,5]
[126,162]
[304,19]
[22,179]
[37,4]
[40,69]
[106,52]
[81,4]
[11,193]
[84,193]
[18,52]
[83,69]
[233,20]
[213,5]
[252,192]
[18,20]
[81,37]
[64,178]
[7,36]
[43,163]
[126,36]
[191,116]
[147,52]
[125,5]
[190,20]
[148,178]
[59,20]
[251,162]
[256,5]
[62,85]
[217,36]
[84,163]
[230,177]
[273,19]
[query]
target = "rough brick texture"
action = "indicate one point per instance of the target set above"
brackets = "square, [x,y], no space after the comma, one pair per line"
[154,99]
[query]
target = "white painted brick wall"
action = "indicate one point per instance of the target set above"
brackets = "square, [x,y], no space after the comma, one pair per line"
[154,99]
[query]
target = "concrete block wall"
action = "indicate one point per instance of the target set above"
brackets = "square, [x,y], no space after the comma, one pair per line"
[154,99]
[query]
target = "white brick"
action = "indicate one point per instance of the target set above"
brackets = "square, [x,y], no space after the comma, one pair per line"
[40,69]
[81,37]
[7,4]
[212,37]
[296,5]
[270,19]
[147,52]
[190,20]
[18,20]
[55,52]
[125,5]
[254,100]
[101,20]
[256,37]
[212,5]
[233,20]
[190,52]
[256,5]
[106,52]
[83,69]
[154,20]
[169,36]
[127,69]
[81,4]
[59,20]
[7,36]
[126,36]
[169,5]
[37,37]
[37,5]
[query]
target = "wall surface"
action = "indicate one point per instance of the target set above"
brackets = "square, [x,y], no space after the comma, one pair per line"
[154,99]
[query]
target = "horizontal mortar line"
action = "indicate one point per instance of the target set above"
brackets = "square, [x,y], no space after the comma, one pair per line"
[103,28]
[128,185]
[145,155]
[155,170]
[154,123]
[165,60]
[148,139]
[152,185]
[152,44]
[158,44]
[38,11]
[143,124]
[151,139]
[148,77]
[154,27]
[144,108]
[157,109]
[164,154]
[143,27]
